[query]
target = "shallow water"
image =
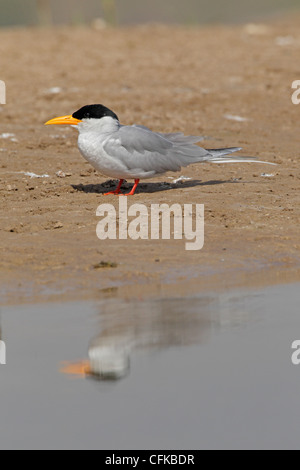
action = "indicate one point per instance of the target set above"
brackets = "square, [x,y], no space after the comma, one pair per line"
[212,371]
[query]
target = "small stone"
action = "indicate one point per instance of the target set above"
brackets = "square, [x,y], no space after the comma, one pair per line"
[105,264]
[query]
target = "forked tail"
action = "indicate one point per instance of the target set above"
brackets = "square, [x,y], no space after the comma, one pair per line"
[220,156]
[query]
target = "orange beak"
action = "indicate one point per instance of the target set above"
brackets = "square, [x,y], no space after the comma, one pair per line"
[68,120]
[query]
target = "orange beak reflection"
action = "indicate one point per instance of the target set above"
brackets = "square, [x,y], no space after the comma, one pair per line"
[67,120]
[78,369]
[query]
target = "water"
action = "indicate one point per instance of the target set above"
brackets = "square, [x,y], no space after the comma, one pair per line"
[213,371]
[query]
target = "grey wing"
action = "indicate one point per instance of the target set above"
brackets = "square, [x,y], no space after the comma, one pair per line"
[177,137]
[141,149]
[180,138]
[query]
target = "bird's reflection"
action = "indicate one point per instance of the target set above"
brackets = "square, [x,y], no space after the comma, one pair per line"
[125,327]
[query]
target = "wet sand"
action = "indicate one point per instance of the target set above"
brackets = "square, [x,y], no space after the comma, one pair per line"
[170,79]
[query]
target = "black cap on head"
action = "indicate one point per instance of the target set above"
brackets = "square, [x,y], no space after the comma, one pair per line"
[94,111]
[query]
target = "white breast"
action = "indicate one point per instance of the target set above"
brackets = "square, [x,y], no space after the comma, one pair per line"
[92,137]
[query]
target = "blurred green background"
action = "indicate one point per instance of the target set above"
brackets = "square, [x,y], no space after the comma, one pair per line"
[33,12]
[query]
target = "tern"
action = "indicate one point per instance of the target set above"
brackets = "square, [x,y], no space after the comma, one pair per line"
[136,152]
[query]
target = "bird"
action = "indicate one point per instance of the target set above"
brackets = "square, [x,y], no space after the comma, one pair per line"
[135,151]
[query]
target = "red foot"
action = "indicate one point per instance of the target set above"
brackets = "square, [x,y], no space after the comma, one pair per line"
[136,182]
[115,191]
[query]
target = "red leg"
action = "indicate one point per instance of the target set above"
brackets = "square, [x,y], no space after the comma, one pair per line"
[136,182]
[115,191]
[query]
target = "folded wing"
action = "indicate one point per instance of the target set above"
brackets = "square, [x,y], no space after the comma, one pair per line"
[139,148]
[145,152]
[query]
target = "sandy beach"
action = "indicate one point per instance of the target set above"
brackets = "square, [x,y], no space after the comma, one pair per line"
[231,85]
